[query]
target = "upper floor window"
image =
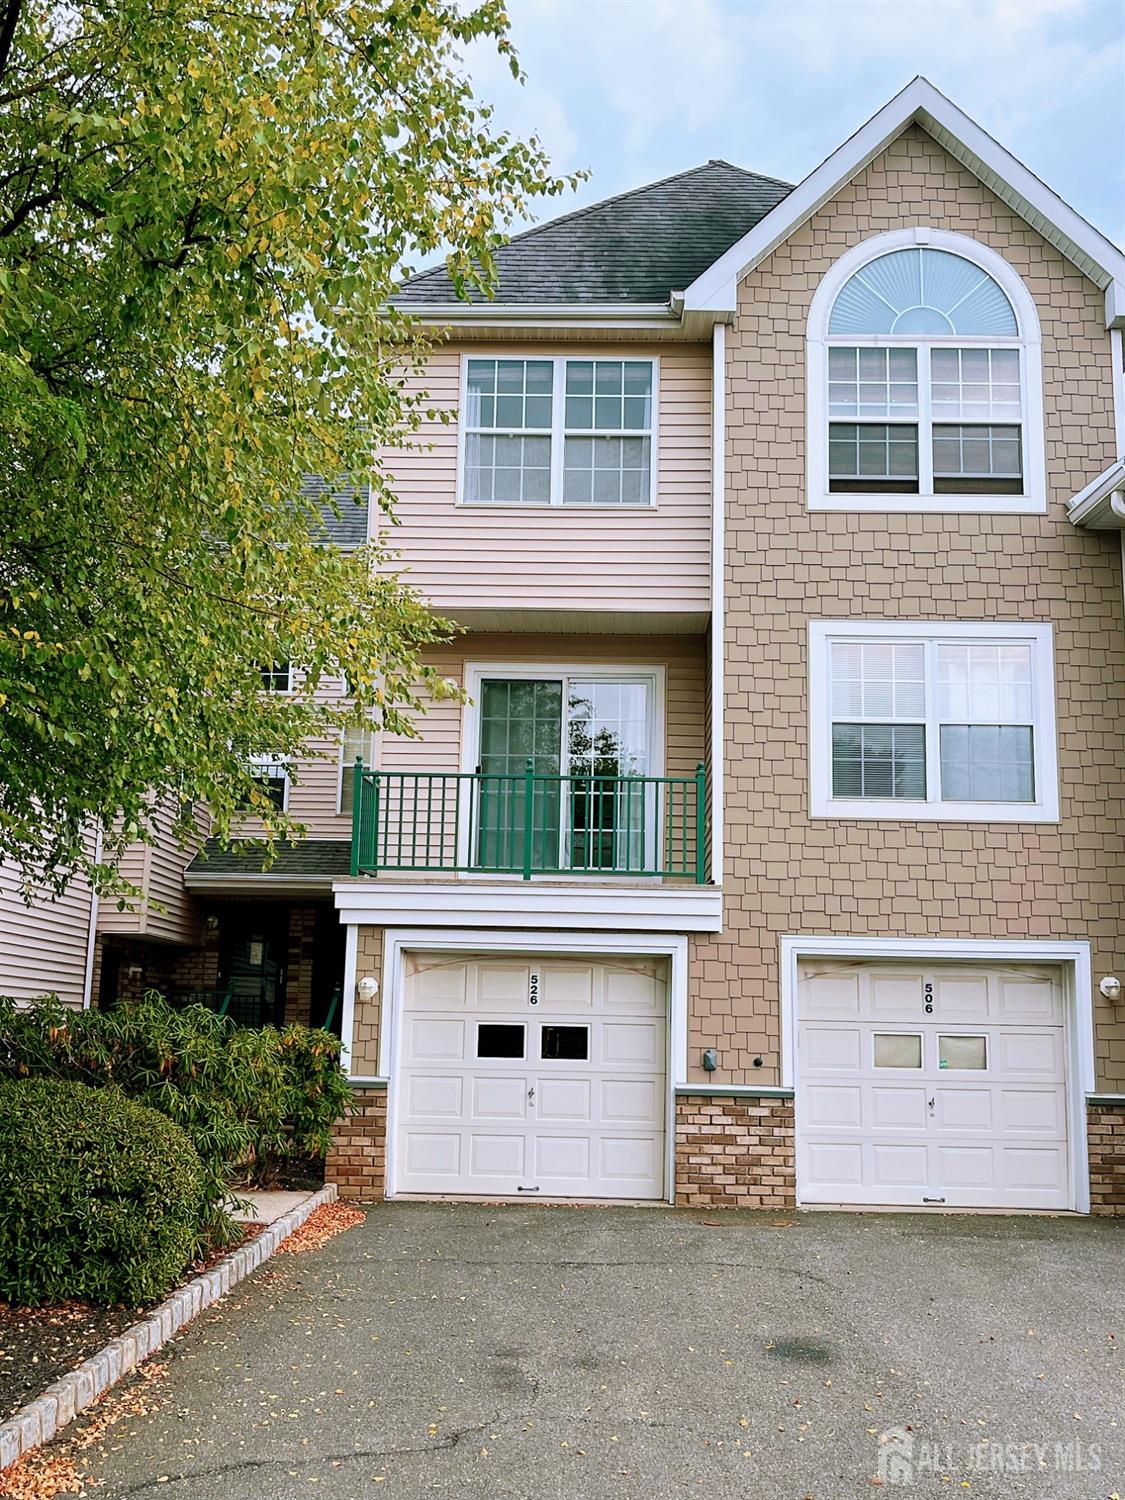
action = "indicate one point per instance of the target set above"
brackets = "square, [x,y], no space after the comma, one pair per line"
[277,677]
[924,380]
[557,431]
[952,721]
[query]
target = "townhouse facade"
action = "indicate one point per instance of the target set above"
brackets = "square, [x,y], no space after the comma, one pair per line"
[774,854]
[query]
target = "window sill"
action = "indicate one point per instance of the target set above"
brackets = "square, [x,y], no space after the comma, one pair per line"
[1000,505]
[541,507]
[892,811]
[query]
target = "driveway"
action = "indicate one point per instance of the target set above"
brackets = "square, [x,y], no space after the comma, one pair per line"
[539,1352]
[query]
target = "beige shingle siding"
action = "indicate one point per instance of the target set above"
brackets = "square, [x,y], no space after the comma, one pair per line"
[571,557]
[785,566]
[44,947]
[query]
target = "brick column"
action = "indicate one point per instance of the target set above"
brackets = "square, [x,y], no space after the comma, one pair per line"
[735,1152]
[357,1157]
[1106,1129]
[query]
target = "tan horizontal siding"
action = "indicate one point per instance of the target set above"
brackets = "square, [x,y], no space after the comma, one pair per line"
[561,557]
[164,910]
[44,947]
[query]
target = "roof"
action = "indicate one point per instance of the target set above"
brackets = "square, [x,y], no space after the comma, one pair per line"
[1083,245]
[1101,505]
[638,247]
[316,860]
[348,529]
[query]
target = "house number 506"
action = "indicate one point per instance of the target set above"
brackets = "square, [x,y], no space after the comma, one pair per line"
[928,999]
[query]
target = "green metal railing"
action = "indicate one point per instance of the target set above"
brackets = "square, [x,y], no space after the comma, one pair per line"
[529,823]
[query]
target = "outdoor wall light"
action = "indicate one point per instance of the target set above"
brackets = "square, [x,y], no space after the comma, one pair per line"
[710,1060]
[1110,987]
[368,988]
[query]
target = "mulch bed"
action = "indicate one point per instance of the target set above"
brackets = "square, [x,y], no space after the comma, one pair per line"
[38,1344]
[322,1225]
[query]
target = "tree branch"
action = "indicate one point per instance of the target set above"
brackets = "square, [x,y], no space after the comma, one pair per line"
[9,19]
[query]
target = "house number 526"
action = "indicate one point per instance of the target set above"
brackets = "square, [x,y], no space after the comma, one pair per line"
[928,999]
[533,987]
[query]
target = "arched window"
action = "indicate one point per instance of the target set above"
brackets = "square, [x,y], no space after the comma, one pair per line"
[924,380]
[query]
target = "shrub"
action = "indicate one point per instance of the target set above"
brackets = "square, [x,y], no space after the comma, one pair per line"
[248,1099]
[101,1199]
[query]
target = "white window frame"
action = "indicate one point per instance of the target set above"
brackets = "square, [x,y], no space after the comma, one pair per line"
[1028,343]
[824,633]
[558,432]
[272,670]
[345,765]
[279,771]
[476,672]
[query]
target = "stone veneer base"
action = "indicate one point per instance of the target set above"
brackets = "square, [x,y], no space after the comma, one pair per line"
[40,1420]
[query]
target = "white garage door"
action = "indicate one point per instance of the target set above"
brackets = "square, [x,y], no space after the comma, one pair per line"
[935,1084]
[532,1076]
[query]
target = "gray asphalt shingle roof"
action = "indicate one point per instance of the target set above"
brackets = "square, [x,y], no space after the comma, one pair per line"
[638,247]
[349,528]
[325,857]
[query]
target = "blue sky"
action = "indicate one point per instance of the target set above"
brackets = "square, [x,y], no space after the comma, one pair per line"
[637,89]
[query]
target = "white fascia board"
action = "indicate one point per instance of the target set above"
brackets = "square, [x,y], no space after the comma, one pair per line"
[595,908]
[263,881]
[1079,241]
[545,315]
[1101,505]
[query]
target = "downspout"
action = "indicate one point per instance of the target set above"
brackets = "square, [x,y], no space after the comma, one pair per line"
[92,934]
[718,582]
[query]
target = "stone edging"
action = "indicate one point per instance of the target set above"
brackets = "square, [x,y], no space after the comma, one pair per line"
[38,1422]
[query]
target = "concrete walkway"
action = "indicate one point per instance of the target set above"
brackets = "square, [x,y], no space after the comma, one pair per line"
[265,1207]
[641,1354]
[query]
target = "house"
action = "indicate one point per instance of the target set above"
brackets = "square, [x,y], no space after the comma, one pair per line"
[774,856]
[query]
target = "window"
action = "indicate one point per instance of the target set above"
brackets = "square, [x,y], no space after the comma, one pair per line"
[968,1053]
[894,1049]
[357,739]
[557,431]
[272,776]
[924,380]
[500,1039]
[565,1043]
[948,721]
[277,678]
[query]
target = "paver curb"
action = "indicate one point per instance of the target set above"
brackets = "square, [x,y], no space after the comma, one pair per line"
[39,1421]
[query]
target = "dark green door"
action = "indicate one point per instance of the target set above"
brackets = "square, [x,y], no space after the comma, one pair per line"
[520,720]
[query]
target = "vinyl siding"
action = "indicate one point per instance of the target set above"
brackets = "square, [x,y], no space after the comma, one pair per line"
[44,947]
[574,558]
[164,911]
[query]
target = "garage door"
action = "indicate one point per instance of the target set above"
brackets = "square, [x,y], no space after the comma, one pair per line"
[938,1084]
[533,1076]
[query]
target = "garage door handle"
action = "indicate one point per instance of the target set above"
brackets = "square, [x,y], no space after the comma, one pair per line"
[931,1103]
[531,1095]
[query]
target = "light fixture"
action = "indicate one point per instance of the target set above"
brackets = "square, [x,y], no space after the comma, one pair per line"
[1110,987]
[368,988]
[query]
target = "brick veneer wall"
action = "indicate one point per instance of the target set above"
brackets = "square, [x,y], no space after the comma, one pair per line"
[1106,1125]
[357,1158]
[787,873]
[735,1152]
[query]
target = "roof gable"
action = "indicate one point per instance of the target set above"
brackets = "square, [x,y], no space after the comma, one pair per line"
[635,249]
[714,291]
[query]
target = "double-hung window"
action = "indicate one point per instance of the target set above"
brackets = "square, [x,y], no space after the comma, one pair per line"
[952,721]
[557,431]
[272,775]
[924,384]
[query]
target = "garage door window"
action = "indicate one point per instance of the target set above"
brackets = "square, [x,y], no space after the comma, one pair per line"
[569,1043]
[894,1050]
[953,723]
[497,1040]
[963,1053]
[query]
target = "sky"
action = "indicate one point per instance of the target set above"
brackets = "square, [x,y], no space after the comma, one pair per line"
[634,90]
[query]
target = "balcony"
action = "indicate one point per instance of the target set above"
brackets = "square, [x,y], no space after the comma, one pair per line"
[529,824]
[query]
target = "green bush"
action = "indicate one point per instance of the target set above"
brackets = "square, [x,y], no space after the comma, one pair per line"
[101,1199]
[249,1099]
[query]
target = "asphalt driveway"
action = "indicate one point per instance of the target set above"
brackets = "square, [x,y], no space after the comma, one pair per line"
[538,1352]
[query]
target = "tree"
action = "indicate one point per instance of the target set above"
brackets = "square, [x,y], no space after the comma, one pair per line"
[203,211]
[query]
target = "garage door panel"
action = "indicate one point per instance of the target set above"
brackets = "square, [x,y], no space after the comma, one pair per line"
[630,1101]
[895,995]
[826,1048]
[633,1044]
[499,1096]
[432,1040]
[829,1104]
[900,1165]
[968,1104]
[964,1109]
[564,1099]
[1032,1111]
[961,998]
[895,1108]
[435,1096]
